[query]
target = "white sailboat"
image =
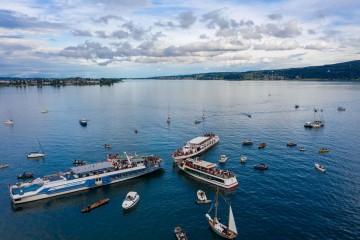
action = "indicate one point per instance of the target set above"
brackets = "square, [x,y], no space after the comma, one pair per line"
[228,231]
[38,153]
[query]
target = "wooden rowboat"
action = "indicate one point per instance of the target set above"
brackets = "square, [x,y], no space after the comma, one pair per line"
[95,205]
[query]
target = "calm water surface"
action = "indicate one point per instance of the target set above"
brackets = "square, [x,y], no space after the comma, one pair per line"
[289,201]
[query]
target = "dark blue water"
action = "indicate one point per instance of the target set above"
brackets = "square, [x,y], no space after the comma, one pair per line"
[289,201]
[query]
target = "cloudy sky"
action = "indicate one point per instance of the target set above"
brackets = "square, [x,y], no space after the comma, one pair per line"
[144,38]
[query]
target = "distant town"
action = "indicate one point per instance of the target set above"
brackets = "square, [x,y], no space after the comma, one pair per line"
[77,81]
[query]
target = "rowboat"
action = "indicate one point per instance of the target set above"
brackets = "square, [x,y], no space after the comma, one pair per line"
[95,205]
[324,150]
[180,234]
[202,199]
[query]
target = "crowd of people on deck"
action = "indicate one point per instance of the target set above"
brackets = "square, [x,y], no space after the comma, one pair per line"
[193,148]
[214,171]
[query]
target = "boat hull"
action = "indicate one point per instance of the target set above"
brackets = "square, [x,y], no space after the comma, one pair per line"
[232,235]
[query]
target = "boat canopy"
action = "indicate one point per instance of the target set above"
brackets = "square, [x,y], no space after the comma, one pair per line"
[204,164]
[91,167]
[198,140]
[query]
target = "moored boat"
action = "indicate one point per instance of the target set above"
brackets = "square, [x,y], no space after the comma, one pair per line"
[131,199]
[261,166]
[320,167]
[9,122]
[223,159]
[179,233]
[39,153]
[243,159]
[291,144]
[341,109]
[85,177]
[83,122]
[44,111]
[4,165]
[207,172]
[228,231]
[202,199]
[324,150]
[26,175]
[107,145]
[247,142]
[302,149]
[95,205]
[79,162]
[197,121]
[262,145]
[296,106]
[196,146]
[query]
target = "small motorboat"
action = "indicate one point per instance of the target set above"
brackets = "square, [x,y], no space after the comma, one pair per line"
[223,159]
[248,115]
[197,121]
[261,166]
[95,205]
[26,175]
[341,109]
[291,144]
[131,199]
[302,149]
[44,111]
[180,234]
[83,122]
[262,145]
[79,162]
[320,167]
[247,142]
[9,122]
[296,106]
[106,145]
[4,165]
[202,199]
[324,150]
[136,131]
[243,159]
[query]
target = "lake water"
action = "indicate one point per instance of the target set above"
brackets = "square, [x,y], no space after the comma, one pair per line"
[289,201]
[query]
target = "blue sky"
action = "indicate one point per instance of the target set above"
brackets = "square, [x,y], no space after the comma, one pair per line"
[144,38]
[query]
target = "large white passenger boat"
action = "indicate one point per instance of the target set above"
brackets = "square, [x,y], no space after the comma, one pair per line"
[196,147]
[85,177]
[207,171]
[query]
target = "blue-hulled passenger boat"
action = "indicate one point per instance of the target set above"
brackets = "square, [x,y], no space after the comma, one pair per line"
[85,177]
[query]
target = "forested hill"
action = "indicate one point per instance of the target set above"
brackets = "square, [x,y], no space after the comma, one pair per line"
[338,72]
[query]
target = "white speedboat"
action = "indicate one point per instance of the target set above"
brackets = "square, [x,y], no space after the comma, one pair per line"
[131,199]
[196,147]
[9,122]
[341,109]
[243,159]
[223,159]
[83,122]
[320,167]
[207,172]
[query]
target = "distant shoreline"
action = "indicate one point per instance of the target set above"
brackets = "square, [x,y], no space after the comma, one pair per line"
[57,82]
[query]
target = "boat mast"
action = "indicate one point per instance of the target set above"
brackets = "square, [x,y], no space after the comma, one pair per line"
[216,204]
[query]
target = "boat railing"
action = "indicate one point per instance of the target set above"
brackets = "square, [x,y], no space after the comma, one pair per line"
[225,174]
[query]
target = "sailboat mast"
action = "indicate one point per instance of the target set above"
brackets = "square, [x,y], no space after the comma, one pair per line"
[216,203]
